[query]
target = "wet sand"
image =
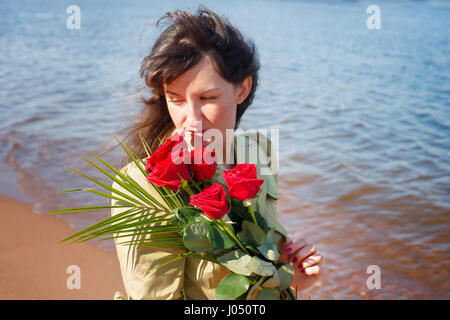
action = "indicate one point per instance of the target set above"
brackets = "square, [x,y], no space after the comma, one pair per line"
[33,265]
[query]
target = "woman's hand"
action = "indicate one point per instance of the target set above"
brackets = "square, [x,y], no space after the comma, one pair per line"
[304,259]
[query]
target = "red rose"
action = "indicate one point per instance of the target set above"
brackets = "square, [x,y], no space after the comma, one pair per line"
[167,173]
[212,201]
[242,181]
[166,166]
[202,163]
[163,151]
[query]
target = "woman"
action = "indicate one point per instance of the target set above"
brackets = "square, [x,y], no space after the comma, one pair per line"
[203,76]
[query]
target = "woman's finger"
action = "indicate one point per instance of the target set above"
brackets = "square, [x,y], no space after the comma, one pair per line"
[310,261]
[295,246]
[287,242]
[306,251]
[311,270]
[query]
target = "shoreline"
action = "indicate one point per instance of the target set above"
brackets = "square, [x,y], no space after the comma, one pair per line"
[34,266]
[9,185]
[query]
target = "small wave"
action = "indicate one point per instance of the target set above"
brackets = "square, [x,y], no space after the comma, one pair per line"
[296,180]
[30,120]
[12,146]
[339,166]
[31,185]
[359,193]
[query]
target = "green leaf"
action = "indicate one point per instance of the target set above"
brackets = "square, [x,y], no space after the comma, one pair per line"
[141,167]
[156,267]
[185,216]
[220,239]
[146,147]
[236,261]
[123,215]
[108,195]
[85,209]
[231,287]
[251,234]
[240,213]
[261,267]
[269,251]
[153,243]
[201,255]
[195,237]
[133,156]
[253,292]
[286,274]
[126,186]
[273,281]
[269,294]
[131,227]
[72,190]
[141,217]
[253,249]
[270,236]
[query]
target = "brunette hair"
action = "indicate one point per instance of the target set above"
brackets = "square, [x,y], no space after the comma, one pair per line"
[180,46]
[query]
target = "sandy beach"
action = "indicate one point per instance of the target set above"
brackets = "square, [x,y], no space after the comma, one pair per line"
[33,265]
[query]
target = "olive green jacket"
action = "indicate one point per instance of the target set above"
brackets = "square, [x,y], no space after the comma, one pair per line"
[191,278]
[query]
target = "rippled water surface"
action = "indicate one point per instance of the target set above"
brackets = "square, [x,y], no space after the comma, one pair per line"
[363,118]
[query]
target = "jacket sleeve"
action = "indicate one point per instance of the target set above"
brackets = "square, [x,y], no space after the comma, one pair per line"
[136,262]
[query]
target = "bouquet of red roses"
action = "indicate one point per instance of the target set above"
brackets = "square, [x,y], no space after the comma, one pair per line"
[208,221]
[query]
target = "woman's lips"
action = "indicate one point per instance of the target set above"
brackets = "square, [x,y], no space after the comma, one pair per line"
[197,133]
[197,137]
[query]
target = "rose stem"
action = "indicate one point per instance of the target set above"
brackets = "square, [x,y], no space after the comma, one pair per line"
[248,204]
[232,235]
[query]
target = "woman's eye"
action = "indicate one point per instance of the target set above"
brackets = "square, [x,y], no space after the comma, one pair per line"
[203,98]
[175,101]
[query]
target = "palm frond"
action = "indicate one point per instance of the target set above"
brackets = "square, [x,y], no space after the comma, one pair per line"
[128,188]
[72,190]
[133,156]
[110,196]
[148,150]
[81,209]
[131,181]
[133,191]
[128,222]
[154,243]
[143,216]
[117,217]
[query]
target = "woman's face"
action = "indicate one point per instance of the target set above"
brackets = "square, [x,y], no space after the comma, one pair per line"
[201,99]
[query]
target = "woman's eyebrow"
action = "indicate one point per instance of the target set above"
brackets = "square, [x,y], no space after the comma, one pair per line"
[176,94]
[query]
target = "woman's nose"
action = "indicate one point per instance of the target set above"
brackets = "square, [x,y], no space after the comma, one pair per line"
[194,116]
